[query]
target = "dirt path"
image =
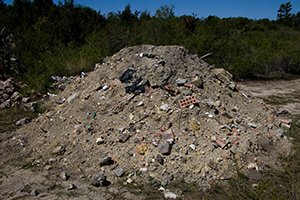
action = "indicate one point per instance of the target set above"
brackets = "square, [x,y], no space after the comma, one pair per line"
[284,94]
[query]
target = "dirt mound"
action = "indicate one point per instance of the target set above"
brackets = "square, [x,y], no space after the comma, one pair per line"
[154,113]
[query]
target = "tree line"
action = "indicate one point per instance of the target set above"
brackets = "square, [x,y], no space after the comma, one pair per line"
[40,39]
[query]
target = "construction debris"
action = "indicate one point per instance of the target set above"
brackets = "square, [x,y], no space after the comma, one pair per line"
[155,111]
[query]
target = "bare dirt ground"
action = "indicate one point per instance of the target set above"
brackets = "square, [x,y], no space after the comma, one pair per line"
[284,93]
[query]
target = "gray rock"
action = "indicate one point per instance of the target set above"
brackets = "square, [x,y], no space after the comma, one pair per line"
[63,175]
[23,121]
[232,85]
[181,82]
[159,159]
[98,179]
[165,148]
[34,193]
[56,78]
[252,125]
[121,129]
[89,128]
[25,99]
[120,172]
[123,138]
[223,75]
[71,187]
[105,160]
[71,98]
[59,150]
[16,96]
[165,107]
[30,106]
[5,104]
[164,182]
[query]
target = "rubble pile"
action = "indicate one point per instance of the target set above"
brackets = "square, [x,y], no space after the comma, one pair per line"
[155,113]
[8,95]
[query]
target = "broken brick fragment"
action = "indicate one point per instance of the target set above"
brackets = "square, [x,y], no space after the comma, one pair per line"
[225,155]
[235,131]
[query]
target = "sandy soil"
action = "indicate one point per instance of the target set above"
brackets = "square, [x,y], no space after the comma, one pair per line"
[289,90]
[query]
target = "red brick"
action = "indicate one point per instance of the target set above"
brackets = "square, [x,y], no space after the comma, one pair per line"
[220,143]
[157,134]
[117,82]
[222,117]
[128,97]
[225,155]
[147,89]
[235,131]
[187,101]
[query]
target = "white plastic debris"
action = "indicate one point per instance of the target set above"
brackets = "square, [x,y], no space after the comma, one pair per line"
[209,115]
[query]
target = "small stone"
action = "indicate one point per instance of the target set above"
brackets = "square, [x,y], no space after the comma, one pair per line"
[71,187]
[63,175]
[48,167]
[164,182]
[119,172]
[252,125]
[140,103]
[25,99]
[181,82]
[123,138]
[23,121]
[212,164]
[98,179]
[121,130]
[159,159]
[99,141]
[165,148]
[142,149]
[170,195]
[105,160]
[168,136]
[59,150]
[32,106]
[164,107]
[5,104]
[34,193]
[72,97]
[144,169]
[88,128]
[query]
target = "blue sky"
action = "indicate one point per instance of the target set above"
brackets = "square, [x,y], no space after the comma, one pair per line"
[253,9]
